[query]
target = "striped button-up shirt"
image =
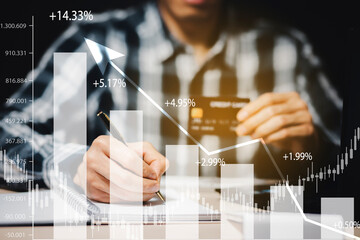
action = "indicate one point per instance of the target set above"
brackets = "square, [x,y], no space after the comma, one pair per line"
[244,62]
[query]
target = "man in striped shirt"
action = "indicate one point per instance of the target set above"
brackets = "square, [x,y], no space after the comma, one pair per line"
[177,49]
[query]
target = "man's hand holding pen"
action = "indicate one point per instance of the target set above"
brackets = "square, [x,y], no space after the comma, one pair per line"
[136,169]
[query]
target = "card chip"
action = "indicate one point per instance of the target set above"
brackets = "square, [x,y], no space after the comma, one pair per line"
[215,115]
[197,113]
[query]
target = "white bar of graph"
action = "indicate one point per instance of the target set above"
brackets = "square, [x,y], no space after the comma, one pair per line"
[70,117]
[285,220]
[130,125]
[237,196]
[183,164]
[344,209]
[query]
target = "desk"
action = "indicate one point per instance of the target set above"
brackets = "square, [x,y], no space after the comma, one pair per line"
[207,229]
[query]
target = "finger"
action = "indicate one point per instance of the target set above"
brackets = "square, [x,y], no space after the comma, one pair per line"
[112,171]
[294,131]
[137,147]
[125,156]
[98,195]
[156,160]
[253,122]
[264,100]
[281,121]
[151,156]
[129,159]
[131,182]
[126,179]
[97,182]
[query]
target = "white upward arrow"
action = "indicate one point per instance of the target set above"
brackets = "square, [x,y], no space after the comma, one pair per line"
[102,55]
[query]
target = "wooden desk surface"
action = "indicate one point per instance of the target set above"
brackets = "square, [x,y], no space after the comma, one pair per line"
[207,230]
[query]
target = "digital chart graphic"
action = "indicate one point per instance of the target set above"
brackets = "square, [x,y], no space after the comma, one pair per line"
[176,120]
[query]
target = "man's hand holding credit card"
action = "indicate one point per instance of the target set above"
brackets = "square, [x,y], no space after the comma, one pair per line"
[215,115]
[281,119]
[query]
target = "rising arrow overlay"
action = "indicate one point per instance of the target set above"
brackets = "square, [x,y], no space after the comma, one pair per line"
[103,57]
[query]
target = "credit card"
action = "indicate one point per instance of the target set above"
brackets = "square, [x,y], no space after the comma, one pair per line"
[215,115]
